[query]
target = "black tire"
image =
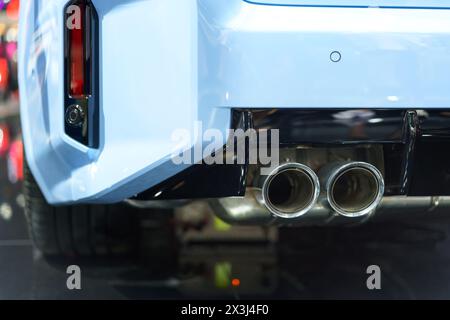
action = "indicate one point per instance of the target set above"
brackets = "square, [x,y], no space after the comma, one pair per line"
[79,231]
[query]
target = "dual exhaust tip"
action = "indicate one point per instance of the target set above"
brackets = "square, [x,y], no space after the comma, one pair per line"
[350,189]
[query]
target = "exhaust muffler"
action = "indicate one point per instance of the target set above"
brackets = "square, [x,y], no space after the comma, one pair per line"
[352,189]
[291,190]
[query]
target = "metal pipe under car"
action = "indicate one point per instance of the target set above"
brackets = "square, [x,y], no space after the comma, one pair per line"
[248,211]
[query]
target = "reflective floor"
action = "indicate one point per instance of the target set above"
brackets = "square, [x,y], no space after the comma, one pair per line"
[302,264]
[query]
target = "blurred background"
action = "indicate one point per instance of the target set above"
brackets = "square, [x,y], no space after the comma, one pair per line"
[11,153]
[213,259]
[11,149]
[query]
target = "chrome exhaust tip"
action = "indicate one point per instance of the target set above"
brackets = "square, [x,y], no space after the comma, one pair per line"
[353,189]
[291,190]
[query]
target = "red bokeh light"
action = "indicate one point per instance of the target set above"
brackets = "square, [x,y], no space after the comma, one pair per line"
[12,10]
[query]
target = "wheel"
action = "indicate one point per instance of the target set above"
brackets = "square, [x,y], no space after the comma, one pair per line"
[79,231]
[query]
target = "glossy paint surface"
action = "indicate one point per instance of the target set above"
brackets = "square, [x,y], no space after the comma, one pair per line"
[165,64]
[147,90]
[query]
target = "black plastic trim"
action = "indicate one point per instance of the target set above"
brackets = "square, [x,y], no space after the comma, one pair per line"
[416,145]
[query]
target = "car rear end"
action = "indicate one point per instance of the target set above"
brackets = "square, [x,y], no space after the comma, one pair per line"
[354,95]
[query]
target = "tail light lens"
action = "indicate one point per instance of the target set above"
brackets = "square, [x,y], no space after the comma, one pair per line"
[81,72]
[77,48]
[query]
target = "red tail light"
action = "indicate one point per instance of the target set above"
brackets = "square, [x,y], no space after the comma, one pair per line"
[77,48]
[81,72]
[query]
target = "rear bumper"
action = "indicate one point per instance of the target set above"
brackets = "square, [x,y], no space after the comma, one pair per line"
[176,62]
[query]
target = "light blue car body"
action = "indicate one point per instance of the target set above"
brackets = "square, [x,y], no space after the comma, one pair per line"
[166,64]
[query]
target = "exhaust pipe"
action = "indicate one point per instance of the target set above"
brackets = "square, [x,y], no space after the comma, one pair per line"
[291,190]
[352,189]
